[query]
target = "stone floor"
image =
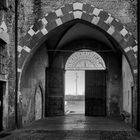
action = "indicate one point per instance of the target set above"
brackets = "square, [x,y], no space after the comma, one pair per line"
[74,127]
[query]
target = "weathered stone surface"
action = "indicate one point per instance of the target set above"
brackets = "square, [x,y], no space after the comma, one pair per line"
[75,127]
[123,10]
[29,12]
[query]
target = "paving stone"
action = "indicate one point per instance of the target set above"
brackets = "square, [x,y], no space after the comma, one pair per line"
[74,127]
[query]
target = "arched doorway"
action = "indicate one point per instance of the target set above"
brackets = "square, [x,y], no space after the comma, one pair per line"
[38,103]
[77,23]
[85,75]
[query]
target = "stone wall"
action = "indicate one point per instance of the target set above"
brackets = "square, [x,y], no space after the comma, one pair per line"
[35,75]
[6,34]
[128,88]
[31,10]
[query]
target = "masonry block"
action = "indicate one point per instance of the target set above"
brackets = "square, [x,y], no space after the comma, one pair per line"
[123,43]
[77,6]
[59,12]
[96,11]
[118,25]
[35,37]
[68,8]
[32,43]
[131,41]
[77,14]
[103,15]
[103,25]
[37,26]
[95,20]
[88,8]
[39,35]
[117,36]
[132,58]
[67,17]
[31,32]
[127,36]
[25,40]
[51,25]
[51,16]
[87,17]
[44,31]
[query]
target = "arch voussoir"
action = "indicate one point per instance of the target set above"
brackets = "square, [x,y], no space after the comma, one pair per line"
[103,25]
[67,17]
[88,8]
[67,8]
[103,15]
[85,12]
[37,26]
[87,17]
[132,58]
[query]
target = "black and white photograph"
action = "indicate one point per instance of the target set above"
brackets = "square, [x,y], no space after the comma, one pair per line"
[69,70]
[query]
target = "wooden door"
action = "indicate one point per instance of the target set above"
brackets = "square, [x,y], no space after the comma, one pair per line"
[95,92]
[55,92]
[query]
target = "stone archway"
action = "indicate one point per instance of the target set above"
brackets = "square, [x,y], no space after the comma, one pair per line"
[69,12]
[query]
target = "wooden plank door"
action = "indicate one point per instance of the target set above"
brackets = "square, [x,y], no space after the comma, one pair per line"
[55,92]
[95,92]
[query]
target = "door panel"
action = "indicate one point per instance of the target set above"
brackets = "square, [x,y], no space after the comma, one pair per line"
[55,92]
[95,93]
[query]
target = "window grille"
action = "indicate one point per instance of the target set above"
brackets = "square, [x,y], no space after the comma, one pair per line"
[85,60]
[2,58]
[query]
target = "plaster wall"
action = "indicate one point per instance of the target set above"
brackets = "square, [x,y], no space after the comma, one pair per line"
[127,79]
[33,77]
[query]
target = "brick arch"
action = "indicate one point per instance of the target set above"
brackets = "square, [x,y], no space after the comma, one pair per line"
[85,12]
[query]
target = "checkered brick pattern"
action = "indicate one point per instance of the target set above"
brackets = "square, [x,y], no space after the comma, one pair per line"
[85,12]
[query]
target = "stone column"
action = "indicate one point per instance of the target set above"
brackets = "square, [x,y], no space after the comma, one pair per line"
[55,90]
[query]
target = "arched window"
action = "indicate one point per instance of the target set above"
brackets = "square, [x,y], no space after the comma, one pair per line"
[2,58]
[85,60]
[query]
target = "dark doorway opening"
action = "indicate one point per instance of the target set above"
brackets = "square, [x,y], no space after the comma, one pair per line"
[2,91]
